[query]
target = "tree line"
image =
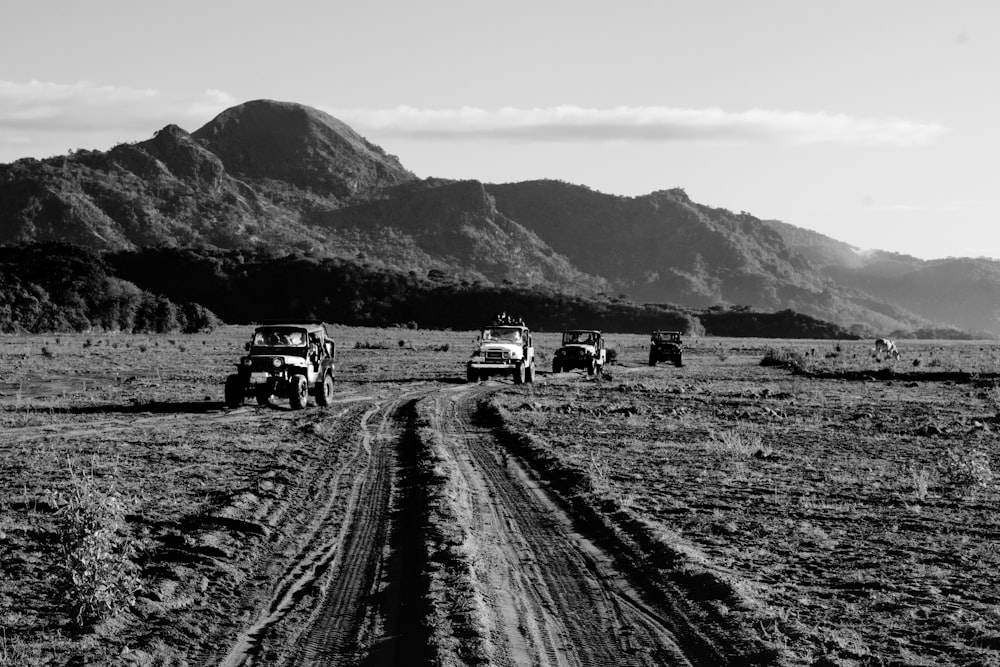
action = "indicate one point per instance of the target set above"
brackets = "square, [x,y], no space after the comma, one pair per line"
[61,287]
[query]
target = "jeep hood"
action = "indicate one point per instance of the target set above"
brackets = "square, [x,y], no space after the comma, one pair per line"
[579,346]
[497,346]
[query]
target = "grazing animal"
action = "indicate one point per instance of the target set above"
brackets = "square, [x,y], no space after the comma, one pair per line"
[885,348]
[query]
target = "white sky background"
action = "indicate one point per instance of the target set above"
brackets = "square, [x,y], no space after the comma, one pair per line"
[872,121]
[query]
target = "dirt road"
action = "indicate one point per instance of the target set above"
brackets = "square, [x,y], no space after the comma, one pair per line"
[429,543]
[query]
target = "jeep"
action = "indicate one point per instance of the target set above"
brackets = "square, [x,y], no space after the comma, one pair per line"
[503,348]
[665,346]
[581,348]
[285,359]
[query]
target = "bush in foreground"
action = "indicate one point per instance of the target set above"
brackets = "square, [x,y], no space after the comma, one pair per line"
[99,578]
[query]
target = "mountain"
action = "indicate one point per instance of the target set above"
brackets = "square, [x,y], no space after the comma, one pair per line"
[959,290]
[290,143]
[290,179]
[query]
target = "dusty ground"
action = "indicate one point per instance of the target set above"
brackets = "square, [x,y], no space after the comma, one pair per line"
[722,512]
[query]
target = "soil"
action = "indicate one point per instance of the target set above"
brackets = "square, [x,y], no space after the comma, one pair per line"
[842,512]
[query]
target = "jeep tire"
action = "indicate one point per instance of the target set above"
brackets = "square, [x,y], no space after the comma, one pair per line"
[234,391]
[298,392]
[519,374]
[677,360]
[529,373]
[324,390]
[555,367]
[652,359]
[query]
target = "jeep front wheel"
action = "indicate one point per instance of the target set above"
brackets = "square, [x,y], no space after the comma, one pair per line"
[652,360]
[677,360]
[234,391]
[324,390]
[300,392]
[529,373]
[519,374]
[555,367]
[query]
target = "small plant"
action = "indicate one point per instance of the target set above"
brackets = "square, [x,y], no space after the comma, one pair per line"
[600,478]
[993,398]
[741,444]
[99,578]
[47,353]
[920,482]
[967,472]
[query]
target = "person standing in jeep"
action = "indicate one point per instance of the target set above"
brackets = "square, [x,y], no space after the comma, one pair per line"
[503,348]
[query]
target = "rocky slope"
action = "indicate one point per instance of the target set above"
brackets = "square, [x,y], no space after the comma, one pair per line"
[292,179]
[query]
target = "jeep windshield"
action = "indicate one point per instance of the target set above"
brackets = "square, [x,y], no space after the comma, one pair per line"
[502,335]
[579,338]
[279,338]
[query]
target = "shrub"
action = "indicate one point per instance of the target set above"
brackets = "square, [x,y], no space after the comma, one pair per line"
[785,357]
[967,472]
[369,345]
[741,444]
[98,577]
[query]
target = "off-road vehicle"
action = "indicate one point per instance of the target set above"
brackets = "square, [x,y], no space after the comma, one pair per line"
[285,359]
[504,347]
[665,346]
[581,348]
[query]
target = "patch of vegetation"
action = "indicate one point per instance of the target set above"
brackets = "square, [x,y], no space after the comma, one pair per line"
[61,287]
[967,472]
[98,576]
[784,357]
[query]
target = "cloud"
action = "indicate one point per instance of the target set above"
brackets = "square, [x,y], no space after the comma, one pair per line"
[42,118]
[571,123]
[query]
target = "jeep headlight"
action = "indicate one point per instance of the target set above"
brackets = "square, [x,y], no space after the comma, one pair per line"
[276,362]
[245,361]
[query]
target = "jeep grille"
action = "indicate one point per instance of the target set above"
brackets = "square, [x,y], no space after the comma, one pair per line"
[258,364]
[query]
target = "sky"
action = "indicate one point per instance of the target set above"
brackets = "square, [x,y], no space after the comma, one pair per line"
[875,122]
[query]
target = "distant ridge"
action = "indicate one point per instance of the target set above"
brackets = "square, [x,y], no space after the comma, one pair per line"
[291,179]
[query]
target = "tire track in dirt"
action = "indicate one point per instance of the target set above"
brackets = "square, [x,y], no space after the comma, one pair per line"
[344,561]
[549,596]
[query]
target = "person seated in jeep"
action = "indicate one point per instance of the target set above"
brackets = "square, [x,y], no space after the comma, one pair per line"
[580,338]
[278,339]
[512,335]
